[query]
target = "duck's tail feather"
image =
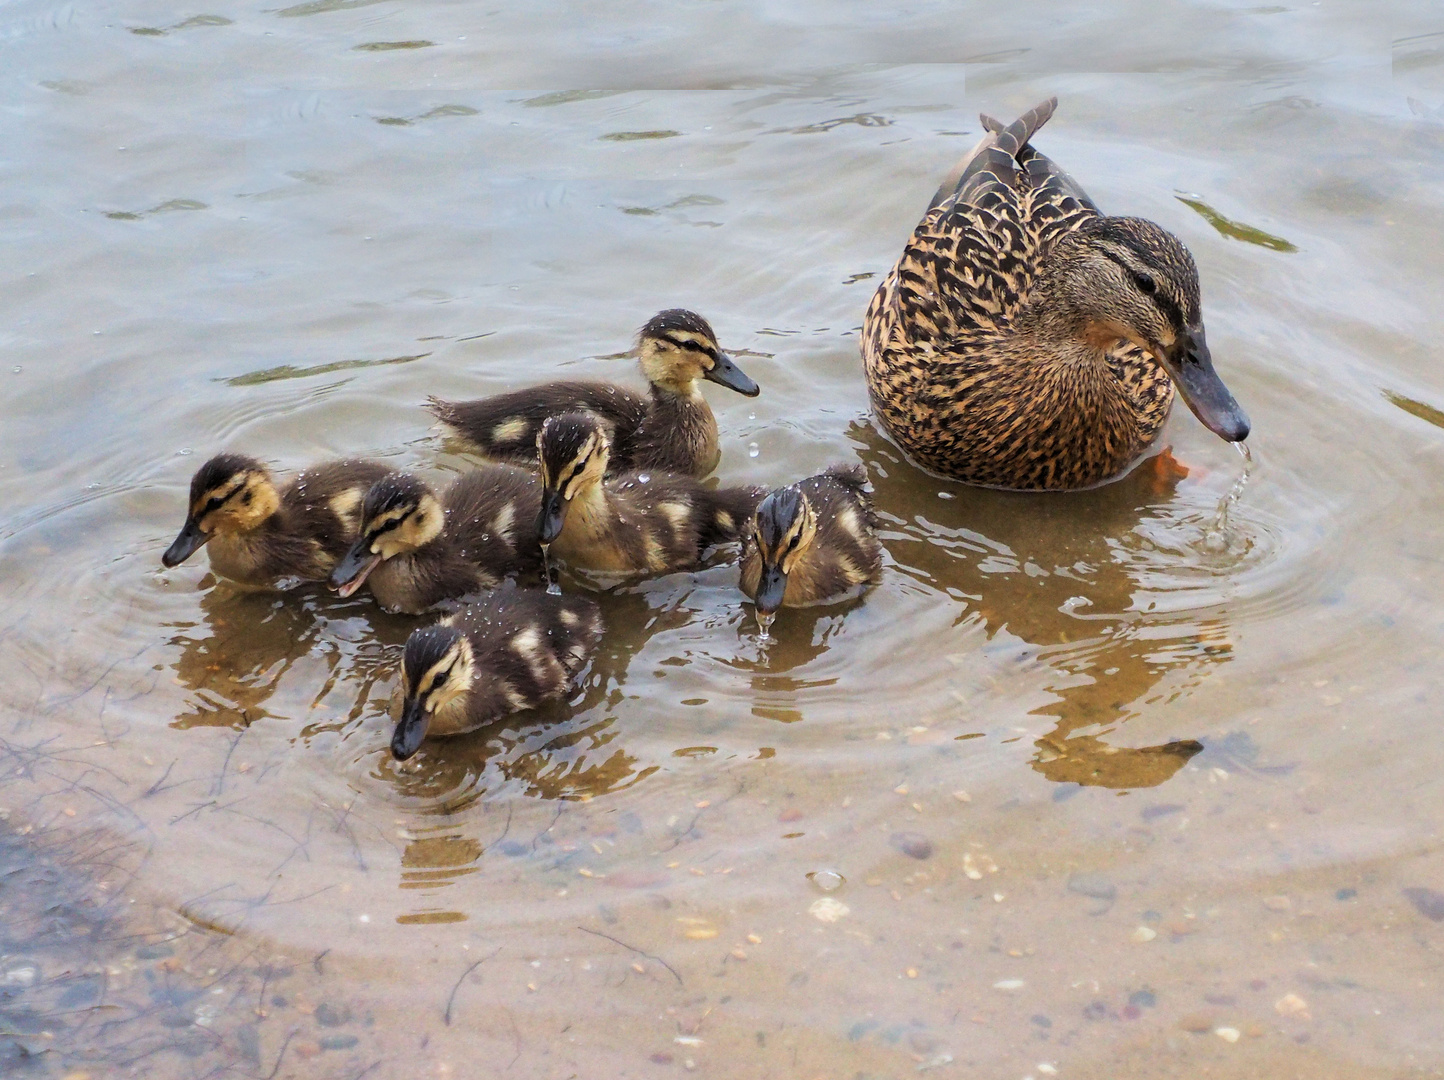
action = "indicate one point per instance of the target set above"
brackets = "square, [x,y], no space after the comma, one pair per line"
[995,159]
[1042,171]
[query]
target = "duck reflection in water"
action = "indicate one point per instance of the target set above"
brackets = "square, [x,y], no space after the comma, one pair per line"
[1067,575]
[250,646]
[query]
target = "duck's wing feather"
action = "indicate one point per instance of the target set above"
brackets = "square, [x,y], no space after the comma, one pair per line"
[491,515]
[852,479]
[323,501]
[727,512]
[528,645]
[505,427]
[976,253]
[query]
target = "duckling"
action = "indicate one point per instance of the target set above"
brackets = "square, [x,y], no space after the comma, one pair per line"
[265,536]
[508,651]
[811,543]
[417,550]
[633,523]
[1025,340]
[673,430]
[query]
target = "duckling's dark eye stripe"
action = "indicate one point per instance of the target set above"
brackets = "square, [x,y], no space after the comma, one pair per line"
[1162,301]
[215,502]
[693,344]
[577,466]
[386,526]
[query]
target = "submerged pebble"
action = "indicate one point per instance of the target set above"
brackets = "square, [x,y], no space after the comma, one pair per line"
[1292,1005]
[826,909]
[1427,902]
[913,845]
[1098,888]
[328,1015]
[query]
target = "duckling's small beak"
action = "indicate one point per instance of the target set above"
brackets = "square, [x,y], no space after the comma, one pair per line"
[1191,365]
[770,589]
[351,572]
[185,545]
[552,517]
[728,374]
[410,729]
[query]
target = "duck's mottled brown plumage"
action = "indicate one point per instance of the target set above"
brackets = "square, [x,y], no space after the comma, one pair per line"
[649,521]
[507,651]
[835,551]
[431,549]
[263,536]
[1003,348]
[671,428]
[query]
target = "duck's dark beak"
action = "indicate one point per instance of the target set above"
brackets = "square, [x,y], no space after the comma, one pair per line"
[1191,365]
[410,729]
[770,589]
[351,572]
[728,374]
[552,517]
[185,545]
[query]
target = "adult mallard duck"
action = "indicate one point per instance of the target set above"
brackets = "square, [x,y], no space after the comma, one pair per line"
[811,543]
[672,429]
[417,549]
[637,522]
[1025,340]
[508,651]
[262,535]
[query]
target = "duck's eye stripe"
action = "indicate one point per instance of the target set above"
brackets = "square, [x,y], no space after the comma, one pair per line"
[215,502]
[386,526]
[1161,301]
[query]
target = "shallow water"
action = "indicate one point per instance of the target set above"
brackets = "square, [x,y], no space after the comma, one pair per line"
[1107,786]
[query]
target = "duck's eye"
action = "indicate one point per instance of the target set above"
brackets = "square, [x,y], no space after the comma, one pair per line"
[1145,283]
[215,502]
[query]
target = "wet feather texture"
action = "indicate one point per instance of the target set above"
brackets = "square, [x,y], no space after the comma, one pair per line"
[511,650]
[1023,340]
[638,522]
[671,428]
[262,535]
[416,550]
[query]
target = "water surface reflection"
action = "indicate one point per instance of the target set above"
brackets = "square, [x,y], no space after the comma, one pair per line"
[1063,577]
